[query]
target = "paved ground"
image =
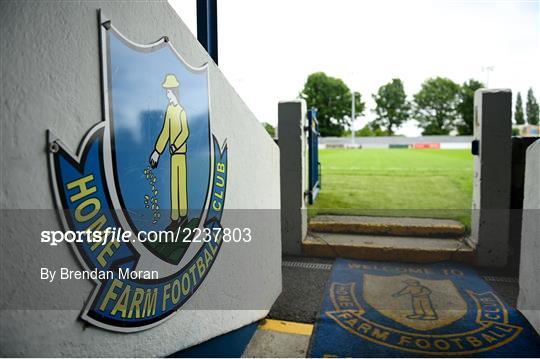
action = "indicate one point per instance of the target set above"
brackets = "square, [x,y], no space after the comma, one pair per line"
[504,281]
[304,281]
[279,339]
[270,344]
[507,287]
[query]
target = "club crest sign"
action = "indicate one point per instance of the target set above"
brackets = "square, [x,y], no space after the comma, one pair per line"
[152,164]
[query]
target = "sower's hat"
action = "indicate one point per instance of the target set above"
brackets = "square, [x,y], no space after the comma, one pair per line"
[170,82]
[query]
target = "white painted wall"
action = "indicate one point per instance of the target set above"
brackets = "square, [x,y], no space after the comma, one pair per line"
[50,79]
[529,270]
[455,145]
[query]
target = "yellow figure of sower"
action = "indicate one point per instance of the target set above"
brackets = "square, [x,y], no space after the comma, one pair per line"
[420,300]
[175,131]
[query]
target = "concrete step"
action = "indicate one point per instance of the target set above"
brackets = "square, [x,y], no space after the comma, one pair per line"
[391,226]
[387,248]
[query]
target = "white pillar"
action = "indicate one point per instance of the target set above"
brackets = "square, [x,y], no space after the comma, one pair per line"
[292,145]
[529,270]
[492,170]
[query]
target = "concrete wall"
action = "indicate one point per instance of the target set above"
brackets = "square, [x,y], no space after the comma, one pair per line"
[519,150]
[385,142]
[292,144]
[50,78]
[395,140]
[491,182]
[384,146]
[529,279]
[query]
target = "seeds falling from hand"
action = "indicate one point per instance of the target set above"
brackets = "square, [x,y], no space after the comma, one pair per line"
[151,200]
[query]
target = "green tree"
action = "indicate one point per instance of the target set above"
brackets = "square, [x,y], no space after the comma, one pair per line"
[392,107]
[365,131]
[270,129]
[519,117]
[436,106]
[332,98]
[531,108]
[368,130]
[465,106]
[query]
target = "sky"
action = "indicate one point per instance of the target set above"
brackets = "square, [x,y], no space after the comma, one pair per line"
[267,48]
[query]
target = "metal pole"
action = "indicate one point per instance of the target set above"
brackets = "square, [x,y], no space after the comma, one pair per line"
[207,27]
[487,70]
[353,115]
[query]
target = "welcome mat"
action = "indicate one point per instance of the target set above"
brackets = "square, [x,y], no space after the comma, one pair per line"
[377,309]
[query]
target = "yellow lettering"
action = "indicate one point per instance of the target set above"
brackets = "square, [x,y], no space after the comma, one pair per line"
[404,340]
[200,266]
[488,338]
[207,257]
[80,217]
[344,315]
[504,329]
[166,296]
[381,335]
[492,316]
[186,284]
[84,191]
[220,181]
[495,334]
[216,206]
[365,327]
[457,341]
[474,341]
[107,251]
[175,295]
[214,247]
[111,295]
[136,303]
[150,302]
[122,303]
[422,343]
[192,272]
[441,344]
[96,226]
[221,167]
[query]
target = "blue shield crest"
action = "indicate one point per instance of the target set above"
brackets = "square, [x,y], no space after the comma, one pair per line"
[160,139]
[151,165]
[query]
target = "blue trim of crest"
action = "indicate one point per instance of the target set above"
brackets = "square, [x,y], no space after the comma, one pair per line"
[68,169]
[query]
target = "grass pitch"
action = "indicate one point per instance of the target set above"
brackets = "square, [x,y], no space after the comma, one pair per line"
[396,182]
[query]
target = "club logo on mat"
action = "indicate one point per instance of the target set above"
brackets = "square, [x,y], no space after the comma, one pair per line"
[419,304]
[419,315]
[152,165]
